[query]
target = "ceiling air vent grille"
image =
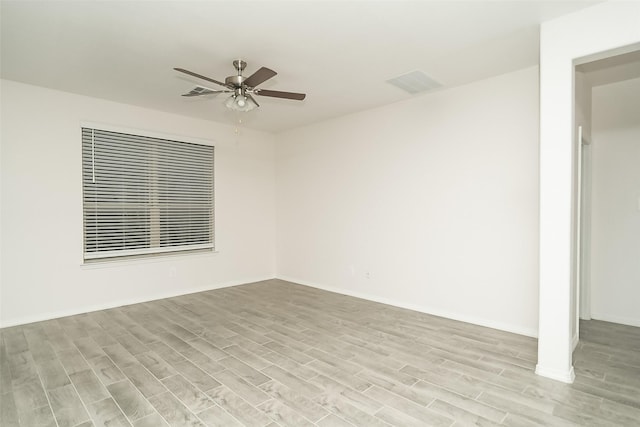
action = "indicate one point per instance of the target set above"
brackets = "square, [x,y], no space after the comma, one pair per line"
[414,82]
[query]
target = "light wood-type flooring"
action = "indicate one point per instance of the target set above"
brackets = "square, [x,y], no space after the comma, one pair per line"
[278,354]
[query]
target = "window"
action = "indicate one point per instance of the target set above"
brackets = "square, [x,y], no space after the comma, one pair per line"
[145,195]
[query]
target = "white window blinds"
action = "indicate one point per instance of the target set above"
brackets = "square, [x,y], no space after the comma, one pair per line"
[145,195]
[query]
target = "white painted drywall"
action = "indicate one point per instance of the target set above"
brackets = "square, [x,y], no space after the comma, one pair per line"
[595,30]
[42,271]
[429,203]
[615,228]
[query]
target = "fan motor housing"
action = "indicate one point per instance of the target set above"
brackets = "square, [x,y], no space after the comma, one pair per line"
[235,80]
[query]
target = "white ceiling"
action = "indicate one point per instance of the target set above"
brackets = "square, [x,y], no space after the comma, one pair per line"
[339,53]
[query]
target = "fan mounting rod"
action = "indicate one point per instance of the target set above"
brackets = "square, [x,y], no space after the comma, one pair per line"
[237,80]
[240,65]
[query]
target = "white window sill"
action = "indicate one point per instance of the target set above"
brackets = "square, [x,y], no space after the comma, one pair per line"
[144,259]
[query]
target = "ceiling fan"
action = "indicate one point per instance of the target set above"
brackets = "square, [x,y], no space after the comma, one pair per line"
[243,88]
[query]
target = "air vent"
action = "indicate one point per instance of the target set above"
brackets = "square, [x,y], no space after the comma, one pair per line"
[414,82]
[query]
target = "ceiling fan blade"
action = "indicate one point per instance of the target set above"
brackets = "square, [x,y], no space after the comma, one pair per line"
[199,90]
[191,73]
[260,76]
[280,94]
[252,99]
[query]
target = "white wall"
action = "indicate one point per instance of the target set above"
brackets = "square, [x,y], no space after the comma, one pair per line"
[42,273]
[615,228]
[591,31]
[435,197]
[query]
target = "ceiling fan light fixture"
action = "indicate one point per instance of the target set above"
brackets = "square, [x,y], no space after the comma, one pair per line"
[239,102]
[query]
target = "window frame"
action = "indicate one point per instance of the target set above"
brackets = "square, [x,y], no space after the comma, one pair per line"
[151,252]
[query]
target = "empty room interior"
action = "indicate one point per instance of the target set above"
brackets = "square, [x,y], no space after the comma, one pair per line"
[309,213]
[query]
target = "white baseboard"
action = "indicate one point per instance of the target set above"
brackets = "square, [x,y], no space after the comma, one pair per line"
[566,376]
[616,319]
[422,309]
[120,303]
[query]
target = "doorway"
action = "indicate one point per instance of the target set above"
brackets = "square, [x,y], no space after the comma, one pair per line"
[607,192]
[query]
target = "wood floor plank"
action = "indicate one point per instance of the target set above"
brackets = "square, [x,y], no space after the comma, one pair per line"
[247,357]
[197,376]
[72,360]
[215,416]
[420,396]
[245,371]
[5,370]
[383,369]
[101,338]
[580,417]
[39,346]
[89,387]
[145,336]
[411,409]
[398,418]
[106,370]
[456,384]
[283,415]
[131,344]
[332,420]
[522,410]
[343,365]
[38,417]
[167,353]
[153,420]
[106,413]
[303,371]
[475,407]
[67,406]
[8,410]
[23,369]
[289,352]
[460,415]
[344,410]
[356,382]
[188,394]
[89,348]
[241,410]
[296,401]
[354,397]
[294,383]
[174,411]
[120,356]
[143,380]
[52,374]
[29,395]
[130,400]
[247,391]
[14,340]
[209,349]
[156,365]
